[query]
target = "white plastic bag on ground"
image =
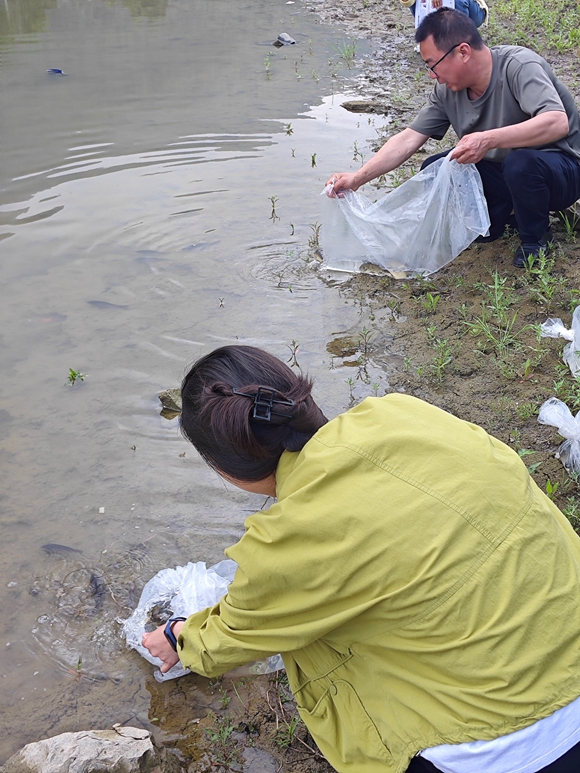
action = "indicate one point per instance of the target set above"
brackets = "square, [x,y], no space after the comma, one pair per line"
[554,328]
[180,592]
[557,414]
[416,229]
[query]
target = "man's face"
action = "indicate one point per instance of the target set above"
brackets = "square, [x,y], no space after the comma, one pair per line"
[446,67]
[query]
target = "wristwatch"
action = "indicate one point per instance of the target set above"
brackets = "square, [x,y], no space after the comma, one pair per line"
[168,631]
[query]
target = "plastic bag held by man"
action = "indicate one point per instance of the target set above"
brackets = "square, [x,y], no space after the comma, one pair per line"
[555,413]
[416,229]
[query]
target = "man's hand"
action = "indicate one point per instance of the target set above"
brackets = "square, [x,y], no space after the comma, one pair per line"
[160,648]
[342,181]
[471,148]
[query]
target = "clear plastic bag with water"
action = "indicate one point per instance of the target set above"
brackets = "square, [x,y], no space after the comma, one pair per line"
[554,328]
[415,229]
[181,592]
[557,414]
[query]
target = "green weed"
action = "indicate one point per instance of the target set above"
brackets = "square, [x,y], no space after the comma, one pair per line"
[347,52]
[273,215]
[286,733]
[543,286]
[496,325]
[430,302]
[314,238]
[571,222]
[293,346]
[74,376]
[364,339]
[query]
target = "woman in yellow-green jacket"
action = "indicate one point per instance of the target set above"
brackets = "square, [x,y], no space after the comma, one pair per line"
[424,593]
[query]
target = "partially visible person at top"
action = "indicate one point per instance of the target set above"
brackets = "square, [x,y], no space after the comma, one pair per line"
[515,121]
[477,10]
[423,591]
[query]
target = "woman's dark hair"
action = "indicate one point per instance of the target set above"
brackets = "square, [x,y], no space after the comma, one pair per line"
[449,28]
[218,413]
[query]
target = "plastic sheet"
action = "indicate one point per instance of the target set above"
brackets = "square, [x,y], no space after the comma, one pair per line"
[554,328]
[180,592]
[414,230]
[557,414]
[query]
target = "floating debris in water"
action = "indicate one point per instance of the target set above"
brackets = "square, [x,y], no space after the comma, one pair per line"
[56,71]
[284,39]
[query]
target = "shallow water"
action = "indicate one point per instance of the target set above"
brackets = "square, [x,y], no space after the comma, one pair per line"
[137,232]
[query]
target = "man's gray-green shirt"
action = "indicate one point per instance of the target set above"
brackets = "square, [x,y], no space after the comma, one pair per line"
[522,85]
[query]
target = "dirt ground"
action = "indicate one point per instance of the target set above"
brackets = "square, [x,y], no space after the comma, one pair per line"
[466,339]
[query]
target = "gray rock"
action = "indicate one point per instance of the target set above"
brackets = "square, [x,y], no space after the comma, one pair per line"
[284,39]
[119,750]
[171,402]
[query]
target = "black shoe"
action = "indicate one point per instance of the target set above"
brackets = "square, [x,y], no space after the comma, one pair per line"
[526,251]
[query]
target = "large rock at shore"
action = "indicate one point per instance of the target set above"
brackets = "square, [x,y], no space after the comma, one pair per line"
[119,750]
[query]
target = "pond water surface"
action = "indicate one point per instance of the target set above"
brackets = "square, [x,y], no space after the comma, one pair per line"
[156,201]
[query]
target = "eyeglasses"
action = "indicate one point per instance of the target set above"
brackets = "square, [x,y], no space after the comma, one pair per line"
[433,66]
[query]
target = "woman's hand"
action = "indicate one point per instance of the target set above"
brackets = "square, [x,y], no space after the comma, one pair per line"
[160,648]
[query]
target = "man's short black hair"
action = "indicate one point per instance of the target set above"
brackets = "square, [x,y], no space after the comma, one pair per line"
[448,28]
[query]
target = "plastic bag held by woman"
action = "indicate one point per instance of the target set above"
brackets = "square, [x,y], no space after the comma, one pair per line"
[416,229]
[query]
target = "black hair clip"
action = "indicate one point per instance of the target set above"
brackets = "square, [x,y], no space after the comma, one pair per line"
[264,401]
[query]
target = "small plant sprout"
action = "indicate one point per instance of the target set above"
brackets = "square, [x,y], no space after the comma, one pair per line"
[357,153]
[430,302]
[273,215]
[313,160]
[364,338]
[347,52]
[443,357]
[315,76]
[267,63]
[375,388]
[551,488]
[294,346]
[286,734]
[74,376]
[571,221]
[293,151]
[350,384]
[314,238]
[288,128]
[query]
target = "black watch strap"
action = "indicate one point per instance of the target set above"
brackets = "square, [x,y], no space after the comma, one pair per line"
[168,631]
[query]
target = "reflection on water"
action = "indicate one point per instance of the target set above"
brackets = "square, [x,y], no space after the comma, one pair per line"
[144,8]
[135,218]
[24,17]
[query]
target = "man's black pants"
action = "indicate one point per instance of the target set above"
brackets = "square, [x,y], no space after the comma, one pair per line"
[531,184]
